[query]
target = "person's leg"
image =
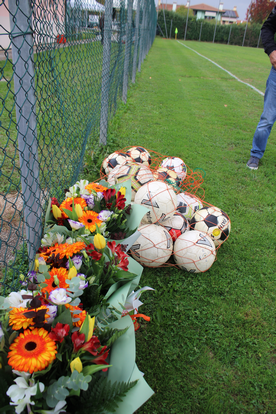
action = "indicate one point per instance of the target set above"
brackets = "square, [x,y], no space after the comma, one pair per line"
[267,119]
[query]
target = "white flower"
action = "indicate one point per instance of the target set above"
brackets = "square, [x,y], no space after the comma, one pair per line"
[52,312]
[104,215]
[21,392]
[69,240]
[59,296]
[75,225]
[83,283]
[57,409]
[41,261]
[78,188]
[50,239]
[15,299]
[1,331]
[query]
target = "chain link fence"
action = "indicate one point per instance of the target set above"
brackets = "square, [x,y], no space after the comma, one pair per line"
[65,64]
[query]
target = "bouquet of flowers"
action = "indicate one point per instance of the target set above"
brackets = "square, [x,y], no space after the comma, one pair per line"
[91,207]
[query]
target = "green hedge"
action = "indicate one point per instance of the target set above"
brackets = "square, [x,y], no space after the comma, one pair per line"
[173,20]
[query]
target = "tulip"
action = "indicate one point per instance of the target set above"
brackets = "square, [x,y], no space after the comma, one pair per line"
[99,241]
[76,364]
[91,327]
[72,273]
[78,210]
[56,211]
[123,191]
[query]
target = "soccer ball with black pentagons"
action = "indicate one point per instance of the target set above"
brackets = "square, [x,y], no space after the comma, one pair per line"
[194,251]
[159,198]
[170,176]
[214,222]
[177,165]
[139,175]
[187,204]
[140,155]
[113,160]
[176,225]
[153,247]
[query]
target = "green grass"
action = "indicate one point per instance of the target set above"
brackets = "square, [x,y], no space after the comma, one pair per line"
[210,346]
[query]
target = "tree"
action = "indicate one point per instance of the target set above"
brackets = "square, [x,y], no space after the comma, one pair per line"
[182,11]
[259,10]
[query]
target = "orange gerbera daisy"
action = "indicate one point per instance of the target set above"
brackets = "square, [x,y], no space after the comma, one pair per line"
[62,274]
[68,204]
[95,187]
[32,351]
[67,249]
[90,219]
[81,315]
[18,320]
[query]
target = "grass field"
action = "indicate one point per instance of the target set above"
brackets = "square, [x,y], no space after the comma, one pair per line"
[210,346]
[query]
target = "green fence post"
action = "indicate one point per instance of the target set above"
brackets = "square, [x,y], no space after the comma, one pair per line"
[142,37]
[105,71]
[137,19]
[127,48]
[24,93]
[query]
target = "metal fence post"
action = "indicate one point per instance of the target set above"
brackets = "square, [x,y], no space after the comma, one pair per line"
[229,34]
[200,32]
[142,37]
[127,48]
[165,23]
[171,30]
[24,94]
[259,39]
[105,71]
[137,19]
[187,18]
[244,33]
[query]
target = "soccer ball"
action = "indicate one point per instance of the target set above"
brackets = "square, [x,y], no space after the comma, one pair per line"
[214,222]
[153,247]
[113,160]
[139,175]
[177,165]
[176,225]
[194,251]
[187,204]
[140,155]
[159,198]
[165,174]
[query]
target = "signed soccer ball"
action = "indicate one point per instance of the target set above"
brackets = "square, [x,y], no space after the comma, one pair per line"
[214,222]
[177,165]
[194,251]
[153,247]
[159,198]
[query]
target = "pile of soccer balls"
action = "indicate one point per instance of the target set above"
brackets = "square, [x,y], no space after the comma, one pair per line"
[178,224]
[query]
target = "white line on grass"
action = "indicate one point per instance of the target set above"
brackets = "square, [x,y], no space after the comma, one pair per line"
[231,74]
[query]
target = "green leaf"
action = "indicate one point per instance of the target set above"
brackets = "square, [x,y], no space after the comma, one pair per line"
[91,369]
[65,318]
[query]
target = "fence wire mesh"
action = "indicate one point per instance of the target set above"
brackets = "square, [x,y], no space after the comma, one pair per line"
[65,64]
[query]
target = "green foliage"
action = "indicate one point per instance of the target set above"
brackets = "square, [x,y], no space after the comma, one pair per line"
[102,396]
[108,336]
[183,11]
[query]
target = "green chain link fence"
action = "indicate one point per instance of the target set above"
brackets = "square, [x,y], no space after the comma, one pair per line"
[65,64]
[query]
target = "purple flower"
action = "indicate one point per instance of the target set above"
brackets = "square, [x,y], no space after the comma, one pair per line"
[104,215]
[75,225]
[99,196]
[89,200]
[32,276]
[52,311]
[83,283]
[77,260]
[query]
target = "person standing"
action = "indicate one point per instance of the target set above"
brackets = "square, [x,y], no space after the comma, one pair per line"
[268,116]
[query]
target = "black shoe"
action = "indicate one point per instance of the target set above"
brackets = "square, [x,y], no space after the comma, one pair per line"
[253,163]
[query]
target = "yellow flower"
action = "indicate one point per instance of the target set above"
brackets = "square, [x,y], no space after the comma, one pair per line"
[36,265]
[56,211]
[99,241]
[91,327]
[78,210]
[76,364]
[72,272]
[123,191]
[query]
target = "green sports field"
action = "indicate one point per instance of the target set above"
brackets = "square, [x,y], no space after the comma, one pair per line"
[210,346]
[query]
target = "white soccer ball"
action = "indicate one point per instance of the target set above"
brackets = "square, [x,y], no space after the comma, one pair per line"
[140,155]
[139,175]
[194,251]
[113,160]
[214,222]
[187,204]
[176,164]
[153,247]
[159,198]
[176,225]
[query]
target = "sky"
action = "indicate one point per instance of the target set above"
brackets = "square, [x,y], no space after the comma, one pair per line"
[242,5]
